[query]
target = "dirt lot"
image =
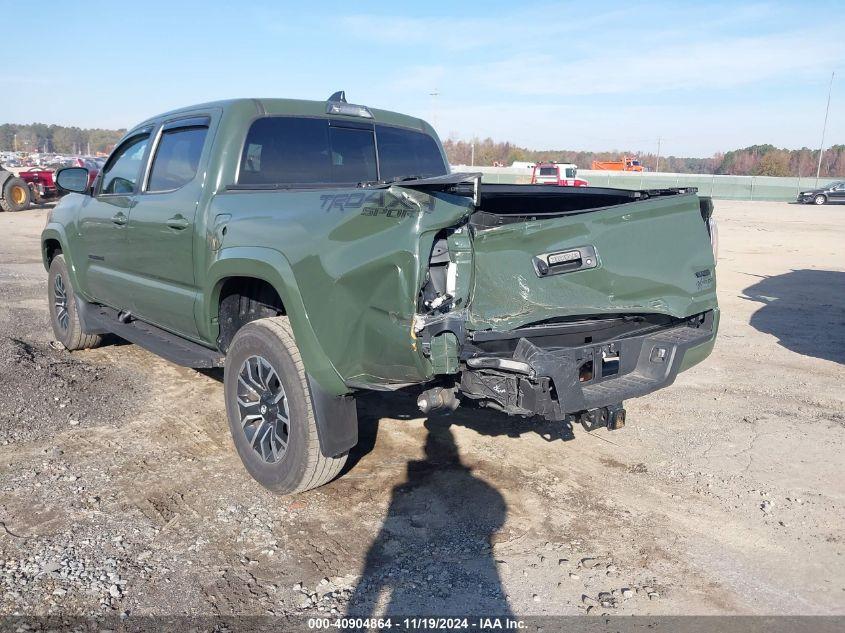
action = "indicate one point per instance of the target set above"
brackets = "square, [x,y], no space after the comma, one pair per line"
[121,492]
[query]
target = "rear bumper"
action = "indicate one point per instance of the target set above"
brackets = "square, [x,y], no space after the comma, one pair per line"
[557,382]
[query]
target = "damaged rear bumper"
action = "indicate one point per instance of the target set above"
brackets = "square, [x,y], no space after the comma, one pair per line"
[537,378]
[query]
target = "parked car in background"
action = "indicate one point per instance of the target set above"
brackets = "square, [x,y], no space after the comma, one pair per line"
[833,192]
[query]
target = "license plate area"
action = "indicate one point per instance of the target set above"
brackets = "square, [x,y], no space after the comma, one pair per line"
[599,362]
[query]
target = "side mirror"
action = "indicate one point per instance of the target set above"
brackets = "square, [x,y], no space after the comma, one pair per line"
[73,179]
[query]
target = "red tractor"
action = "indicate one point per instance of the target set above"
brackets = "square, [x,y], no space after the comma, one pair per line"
[35,185]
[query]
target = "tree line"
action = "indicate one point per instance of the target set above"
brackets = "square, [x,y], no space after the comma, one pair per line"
[57,139]
[757,160]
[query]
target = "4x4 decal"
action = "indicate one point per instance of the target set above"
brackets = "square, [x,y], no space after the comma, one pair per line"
[378,203]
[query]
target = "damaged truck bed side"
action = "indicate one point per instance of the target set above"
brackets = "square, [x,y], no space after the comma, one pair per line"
[317,249]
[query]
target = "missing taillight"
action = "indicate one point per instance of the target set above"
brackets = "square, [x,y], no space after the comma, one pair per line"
[610,365]
[585,372]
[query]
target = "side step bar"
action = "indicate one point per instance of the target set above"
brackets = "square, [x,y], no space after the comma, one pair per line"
[96,319]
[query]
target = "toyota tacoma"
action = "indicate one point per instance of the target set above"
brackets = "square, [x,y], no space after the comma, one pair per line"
[319,249]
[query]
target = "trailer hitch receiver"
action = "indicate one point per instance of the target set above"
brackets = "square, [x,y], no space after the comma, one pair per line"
[611,417]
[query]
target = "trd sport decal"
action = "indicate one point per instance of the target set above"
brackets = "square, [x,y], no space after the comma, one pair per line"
[377,203]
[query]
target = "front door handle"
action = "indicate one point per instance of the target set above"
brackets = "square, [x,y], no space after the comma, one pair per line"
[177,222]
[119,218]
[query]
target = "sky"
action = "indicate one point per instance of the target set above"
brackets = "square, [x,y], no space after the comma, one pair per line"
[703,76]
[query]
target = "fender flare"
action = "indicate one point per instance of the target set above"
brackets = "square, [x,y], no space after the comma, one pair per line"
[55,231]
[272,267]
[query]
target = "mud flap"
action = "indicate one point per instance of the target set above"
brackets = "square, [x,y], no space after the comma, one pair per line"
[337,420]
[87,320]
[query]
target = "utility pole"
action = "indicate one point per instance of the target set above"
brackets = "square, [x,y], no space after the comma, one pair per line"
[472,155]
[15,136]
[824,128]
[434,96]
[657,161]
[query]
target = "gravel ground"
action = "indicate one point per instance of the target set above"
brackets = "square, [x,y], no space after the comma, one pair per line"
[122,493]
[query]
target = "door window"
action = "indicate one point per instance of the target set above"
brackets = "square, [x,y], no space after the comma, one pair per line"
[120,175]
[177,158]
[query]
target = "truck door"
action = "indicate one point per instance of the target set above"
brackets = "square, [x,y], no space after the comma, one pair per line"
[160,236]
[103,220]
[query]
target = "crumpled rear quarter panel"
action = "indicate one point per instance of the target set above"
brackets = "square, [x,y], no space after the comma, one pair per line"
[358,265]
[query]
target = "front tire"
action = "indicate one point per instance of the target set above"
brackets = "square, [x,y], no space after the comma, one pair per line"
[63,316]
[16,195]
[820,199]
[270,411]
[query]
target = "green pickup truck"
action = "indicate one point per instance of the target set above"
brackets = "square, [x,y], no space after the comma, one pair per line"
[317,249]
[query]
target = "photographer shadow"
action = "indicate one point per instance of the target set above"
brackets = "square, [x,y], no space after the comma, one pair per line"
[433,553]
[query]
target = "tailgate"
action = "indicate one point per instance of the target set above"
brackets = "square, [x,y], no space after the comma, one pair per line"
[650,256]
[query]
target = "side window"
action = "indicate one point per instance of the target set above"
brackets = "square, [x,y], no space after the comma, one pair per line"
[403,153]
[177,158]
[290,150]
[121,173]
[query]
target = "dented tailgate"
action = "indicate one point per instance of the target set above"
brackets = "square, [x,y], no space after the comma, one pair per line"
[651,256]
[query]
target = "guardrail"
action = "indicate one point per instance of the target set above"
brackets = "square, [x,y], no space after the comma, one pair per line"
[716,186]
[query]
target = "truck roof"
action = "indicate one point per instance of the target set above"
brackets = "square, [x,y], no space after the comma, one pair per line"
[301,107]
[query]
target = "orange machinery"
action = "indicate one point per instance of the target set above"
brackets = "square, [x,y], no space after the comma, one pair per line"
[628,163]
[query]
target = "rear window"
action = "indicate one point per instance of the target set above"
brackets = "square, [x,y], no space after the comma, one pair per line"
[548,171]
[406,153]
[286,150]
[298,150]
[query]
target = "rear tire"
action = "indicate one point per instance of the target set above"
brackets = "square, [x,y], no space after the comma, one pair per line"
[270,411]
[820,199]
[16,195]
[63,316]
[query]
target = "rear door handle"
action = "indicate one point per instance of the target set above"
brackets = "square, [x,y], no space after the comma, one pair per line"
[177,222]
[119,218]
